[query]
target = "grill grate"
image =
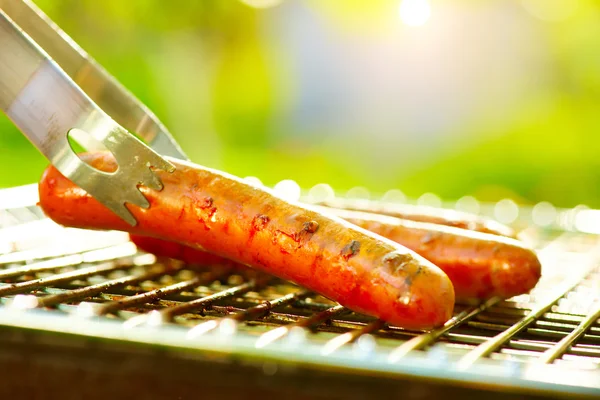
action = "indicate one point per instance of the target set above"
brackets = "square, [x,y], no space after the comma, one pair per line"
[99,284]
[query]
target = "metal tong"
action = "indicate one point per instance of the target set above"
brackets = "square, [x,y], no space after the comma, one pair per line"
[50,88]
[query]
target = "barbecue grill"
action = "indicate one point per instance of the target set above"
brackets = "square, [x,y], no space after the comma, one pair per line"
[85,314]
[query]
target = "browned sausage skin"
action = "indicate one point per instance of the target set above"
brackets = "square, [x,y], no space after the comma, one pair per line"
[224,215]
[433,215]
[479,265]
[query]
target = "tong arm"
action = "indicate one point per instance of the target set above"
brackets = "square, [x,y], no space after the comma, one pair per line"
[43,101]
[102,88]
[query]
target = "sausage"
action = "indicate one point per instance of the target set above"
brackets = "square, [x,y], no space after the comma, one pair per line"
[480,265]
[194,258]
[221,214]
[189,255]
[433,215]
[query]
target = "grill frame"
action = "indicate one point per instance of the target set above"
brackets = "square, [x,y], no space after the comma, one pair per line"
[346,348]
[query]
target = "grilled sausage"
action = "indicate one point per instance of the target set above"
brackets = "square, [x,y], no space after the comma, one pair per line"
[434,215]
[195,259]
[480,265]
[224,215]
[187,254]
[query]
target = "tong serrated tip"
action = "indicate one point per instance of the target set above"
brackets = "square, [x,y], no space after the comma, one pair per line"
[136,162]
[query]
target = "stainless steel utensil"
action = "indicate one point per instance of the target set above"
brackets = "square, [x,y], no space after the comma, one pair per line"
[52,90]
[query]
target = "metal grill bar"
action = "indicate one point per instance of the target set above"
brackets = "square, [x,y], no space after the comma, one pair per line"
[69,261]
[63,242]
[278,333]
[48,265]
[21,287]
[89,291]
[489,346]
[251,313]
[350,337]
[167,314]
[151,296]
[264,308]
[424,340]
[561,347]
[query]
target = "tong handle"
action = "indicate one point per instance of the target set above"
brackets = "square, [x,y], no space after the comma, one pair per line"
[39,97]
[105,91]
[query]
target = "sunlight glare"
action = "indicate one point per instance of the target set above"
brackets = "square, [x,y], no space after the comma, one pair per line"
[414,12]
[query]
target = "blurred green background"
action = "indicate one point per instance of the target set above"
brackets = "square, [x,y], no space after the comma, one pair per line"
[490,98]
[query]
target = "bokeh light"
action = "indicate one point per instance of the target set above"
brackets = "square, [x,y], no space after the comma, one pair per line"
[551,10]
[261,3]
[487,100]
